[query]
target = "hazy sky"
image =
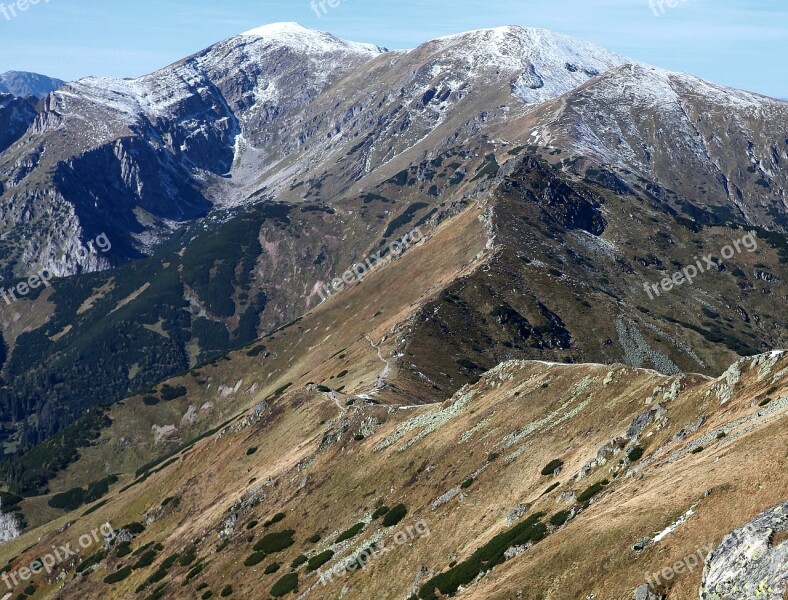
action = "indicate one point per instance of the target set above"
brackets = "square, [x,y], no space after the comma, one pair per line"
[735,42]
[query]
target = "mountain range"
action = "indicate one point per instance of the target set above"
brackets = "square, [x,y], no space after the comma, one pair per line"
[210,401]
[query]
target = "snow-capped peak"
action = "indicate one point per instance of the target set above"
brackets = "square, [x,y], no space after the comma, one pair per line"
[544,64]
[298,37]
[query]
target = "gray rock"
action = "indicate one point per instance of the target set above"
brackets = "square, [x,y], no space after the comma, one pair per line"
[644,593]
[516,512]
[748,565]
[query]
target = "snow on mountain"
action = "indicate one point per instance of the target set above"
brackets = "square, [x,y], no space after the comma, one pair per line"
[548,64]
[308,40]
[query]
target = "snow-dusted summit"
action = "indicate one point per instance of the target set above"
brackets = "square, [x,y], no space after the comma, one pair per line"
[548,64]
[298,37]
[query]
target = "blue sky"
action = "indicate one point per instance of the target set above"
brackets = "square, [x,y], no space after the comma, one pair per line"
[738,43]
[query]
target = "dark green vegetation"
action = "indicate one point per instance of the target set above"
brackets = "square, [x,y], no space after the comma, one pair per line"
[275,542]
[350,533]
[272,568]
[90,362]
[254,559]
[559,518]
[551,488]
[380,512]
[467,483]
[635,454]
[274,520]
[118,575]
[395,515]
[554,464]
[298,561]
[287,584]
[592,490]
[76,497]
[319,560]
[484,559]
[29,472]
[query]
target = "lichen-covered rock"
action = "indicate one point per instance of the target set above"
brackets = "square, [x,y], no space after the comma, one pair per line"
[748,564]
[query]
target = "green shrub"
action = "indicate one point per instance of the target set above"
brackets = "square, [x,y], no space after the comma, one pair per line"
[272,568]
[123,549]
[10,502]
[395,515]
[188,557]
[251,524]
[145,560]
[299,560]
[380,512]
[771,390]
[274,520]
[721,435]
[323,388]
[254,559]
[592,490]
[559,518]
[285,585]
[319,560]
[158,592]
[635,454]
[551,488]
[169,393]
[207,595]
[150,400]
[352,532]
[554,464]
[764,402]
[314,539]
[134,528]
[92,560]
[492,456]
[193,573]
[467,483]
[118,575]
[227,591]
[484,559]
[70,500]
[275,542]
[282,389]
[251,451]
[697,450]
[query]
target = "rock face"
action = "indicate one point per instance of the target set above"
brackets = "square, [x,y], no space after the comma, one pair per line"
[9,526]
[748,562]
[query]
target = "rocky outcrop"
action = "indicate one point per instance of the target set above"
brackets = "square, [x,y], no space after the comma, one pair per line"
[9,526]
[751,562]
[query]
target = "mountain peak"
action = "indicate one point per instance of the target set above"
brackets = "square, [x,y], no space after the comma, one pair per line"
[297,37]
[273,29]
[20,83]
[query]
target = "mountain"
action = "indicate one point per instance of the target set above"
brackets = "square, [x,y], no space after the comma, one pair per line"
[305,153]
[340,279]
[24,84]
[278,467]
